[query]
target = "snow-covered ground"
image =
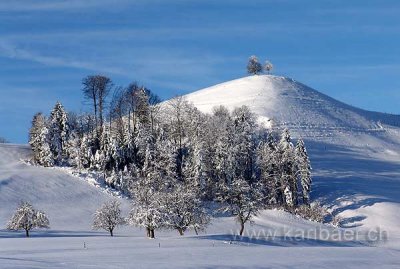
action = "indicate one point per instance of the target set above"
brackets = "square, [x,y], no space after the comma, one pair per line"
[356,169]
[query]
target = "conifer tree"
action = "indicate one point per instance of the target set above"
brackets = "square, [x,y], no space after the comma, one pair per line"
[39,141]
[304,170]
[59,133]
[268,161]
[287,170]
[243,144]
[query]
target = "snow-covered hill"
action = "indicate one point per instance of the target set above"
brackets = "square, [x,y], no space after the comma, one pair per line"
[289,103]
[283,102]
[355,153]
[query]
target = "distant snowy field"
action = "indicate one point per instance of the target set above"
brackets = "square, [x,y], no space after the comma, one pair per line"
[356,169]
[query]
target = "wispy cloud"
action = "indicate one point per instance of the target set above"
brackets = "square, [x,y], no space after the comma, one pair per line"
[11,51]
[153,65]
[49,5]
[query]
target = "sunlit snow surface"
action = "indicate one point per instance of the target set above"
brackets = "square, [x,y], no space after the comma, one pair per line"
[356,169]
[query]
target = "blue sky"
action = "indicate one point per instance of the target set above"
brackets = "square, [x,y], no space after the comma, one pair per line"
[349,50]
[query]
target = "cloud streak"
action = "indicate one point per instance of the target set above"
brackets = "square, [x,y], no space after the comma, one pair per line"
[51,5]
[11,51]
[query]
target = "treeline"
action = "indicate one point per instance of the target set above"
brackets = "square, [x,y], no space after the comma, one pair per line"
[172,159]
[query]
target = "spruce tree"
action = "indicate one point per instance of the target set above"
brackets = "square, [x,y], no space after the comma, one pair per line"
[59,133]
[268,163]
[39,141]
[288,184]
[304,170]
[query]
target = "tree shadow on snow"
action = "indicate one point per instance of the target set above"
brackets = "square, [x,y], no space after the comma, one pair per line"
[278,241]
[51,233]
[349,179]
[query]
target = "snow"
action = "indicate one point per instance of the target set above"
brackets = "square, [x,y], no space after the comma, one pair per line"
[354,153]
[356,173]
[68,201]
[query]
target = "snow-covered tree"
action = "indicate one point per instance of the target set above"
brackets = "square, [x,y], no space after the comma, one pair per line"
[268,67]
[27,218]
[242,200]
[86,152]
[108,217]
[243,143]
[287,170]
[253,66]
[304,170]
[184,210]
[147,211]
[45,156]
[73,147]
[222,138]
[267,162]
[58,133]
[39,141]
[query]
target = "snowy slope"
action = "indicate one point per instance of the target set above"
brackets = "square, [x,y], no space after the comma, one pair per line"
[69,201]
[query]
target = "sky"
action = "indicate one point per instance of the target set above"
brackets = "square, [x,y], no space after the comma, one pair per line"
[349,50]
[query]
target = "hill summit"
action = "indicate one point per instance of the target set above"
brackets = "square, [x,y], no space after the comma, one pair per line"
[284,102]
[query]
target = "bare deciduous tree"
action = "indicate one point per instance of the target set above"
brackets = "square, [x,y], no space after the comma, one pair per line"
[96,88]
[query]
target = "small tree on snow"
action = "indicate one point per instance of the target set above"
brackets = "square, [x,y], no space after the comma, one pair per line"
[27,218]
[184,209]
[253,66]
[268,67]
[147,211]
[241,199]
[108,217]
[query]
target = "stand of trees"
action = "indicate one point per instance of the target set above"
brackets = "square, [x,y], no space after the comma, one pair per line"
[254,67]
[172,159]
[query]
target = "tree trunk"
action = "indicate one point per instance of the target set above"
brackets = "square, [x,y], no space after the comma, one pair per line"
[148,232]
[111,232]
[27,233]
[152,233]
[180,230]
[241,227]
